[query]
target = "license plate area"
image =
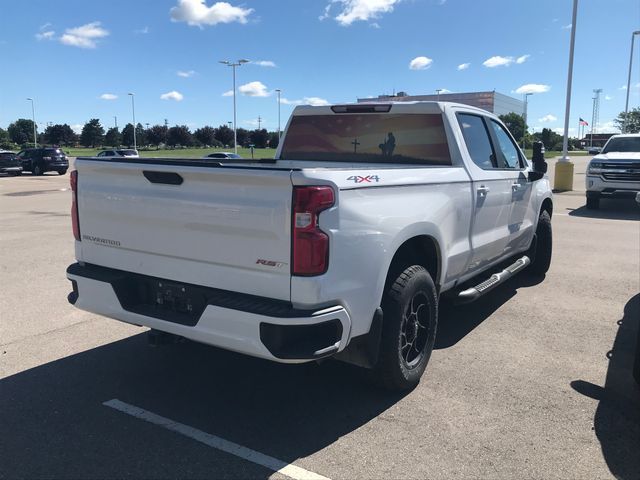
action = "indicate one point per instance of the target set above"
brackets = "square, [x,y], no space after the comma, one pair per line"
[166,300]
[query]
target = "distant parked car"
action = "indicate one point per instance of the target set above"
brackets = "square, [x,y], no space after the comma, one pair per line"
[594,150]
[41,160]
[222,155]
[9,163]
[124,153]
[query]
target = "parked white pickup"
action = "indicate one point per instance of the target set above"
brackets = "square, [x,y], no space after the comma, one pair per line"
[340,246]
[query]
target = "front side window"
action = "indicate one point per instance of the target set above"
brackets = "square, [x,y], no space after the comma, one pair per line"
[477,140]
[510,157]
[368,137]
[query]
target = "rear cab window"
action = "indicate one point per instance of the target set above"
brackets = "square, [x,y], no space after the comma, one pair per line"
[478,141]
[368,137]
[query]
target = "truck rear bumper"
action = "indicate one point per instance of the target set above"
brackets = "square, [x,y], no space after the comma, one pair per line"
[255,326]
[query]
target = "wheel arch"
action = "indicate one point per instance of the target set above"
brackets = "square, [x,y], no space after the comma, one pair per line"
[421,250]
[547,206]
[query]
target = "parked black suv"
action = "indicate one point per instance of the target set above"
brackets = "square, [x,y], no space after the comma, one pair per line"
[41,160]
[9,163]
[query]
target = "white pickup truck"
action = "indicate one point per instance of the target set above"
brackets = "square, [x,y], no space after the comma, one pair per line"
[341,245]
[615,171]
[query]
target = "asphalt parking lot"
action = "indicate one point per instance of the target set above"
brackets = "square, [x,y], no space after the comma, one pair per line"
[533,381]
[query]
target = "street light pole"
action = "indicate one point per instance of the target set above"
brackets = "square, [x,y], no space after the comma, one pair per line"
[626,104]
[438,90]
[526,105]
[33,116]
[133,112]
[564,168]
[278,91]
[233,66]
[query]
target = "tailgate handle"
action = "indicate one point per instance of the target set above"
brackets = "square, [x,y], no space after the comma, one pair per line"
[168,178]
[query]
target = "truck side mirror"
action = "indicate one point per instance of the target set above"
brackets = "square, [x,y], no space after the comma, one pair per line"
[539,164]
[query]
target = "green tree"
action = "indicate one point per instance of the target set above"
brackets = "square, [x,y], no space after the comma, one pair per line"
[179,135]
[273,140]
[157,135]
[4,136]
[243,137]
[515,124]
[141,137]
[92,133]
[259,138]
[550,139]
[205,135]
[21,131]
[127,135]
[59,134]
[224,135]
[113,137]
[629,122]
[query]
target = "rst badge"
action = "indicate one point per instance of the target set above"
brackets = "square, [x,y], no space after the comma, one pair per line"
[270,263]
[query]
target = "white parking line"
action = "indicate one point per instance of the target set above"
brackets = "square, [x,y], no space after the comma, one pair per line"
[245,453]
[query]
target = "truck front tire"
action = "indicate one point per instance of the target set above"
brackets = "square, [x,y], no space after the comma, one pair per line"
[593,203]
[544,246]
[410,306]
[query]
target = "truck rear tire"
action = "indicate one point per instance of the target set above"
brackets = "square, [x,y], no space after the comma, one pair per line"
[593,203]
[544,246]
[410,306]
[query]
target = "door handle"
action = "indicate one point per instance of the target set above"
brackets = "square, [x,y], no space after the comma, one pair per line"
[515,186]
[482,190]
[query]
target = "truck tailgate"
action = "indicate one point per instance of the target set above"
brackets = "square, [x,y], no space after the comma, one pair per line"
[221,227]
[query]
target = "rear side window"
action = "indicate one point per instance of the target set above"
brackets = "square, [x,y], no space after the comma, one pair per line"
[5,156]
[370,137]
[126,152]
[53,151]
[476,137]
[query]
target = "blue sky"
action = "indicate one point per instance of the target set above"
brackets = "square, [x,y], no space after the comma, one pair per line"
[78,59]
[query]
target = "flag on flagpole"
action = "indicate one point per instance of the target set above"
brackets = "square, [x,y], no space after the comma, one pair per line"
[583,123]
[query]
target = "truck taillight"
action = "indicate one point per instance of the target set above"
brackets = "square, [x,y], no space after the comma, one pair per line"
[75,222]
[310,245]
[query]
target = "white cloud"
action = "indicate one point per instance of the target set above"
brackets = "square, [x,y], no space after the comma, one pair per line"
[47,35]
[185,74]
[228,93]
[84,36]
[532,88]
[464,66]
[522,59]
[172,95]
[548,118]
[633,85]
[608,97]
[560,130]
[77,128]
[498,61]
[567,27]
[314,101]
[197,13]
[254,89]
[444,90]
[420,63]
[607,127]
[265,63]
[108,96]
[142,31]
[359,10]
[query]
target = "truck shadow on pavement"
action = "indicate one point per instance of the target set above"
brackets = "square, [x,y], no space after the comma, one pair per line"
[617,418]
[456,321]
[610,209]
[53,423]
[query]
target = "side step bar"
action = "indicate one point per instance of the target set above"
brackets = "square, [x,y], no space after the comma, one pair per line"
[473,293]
